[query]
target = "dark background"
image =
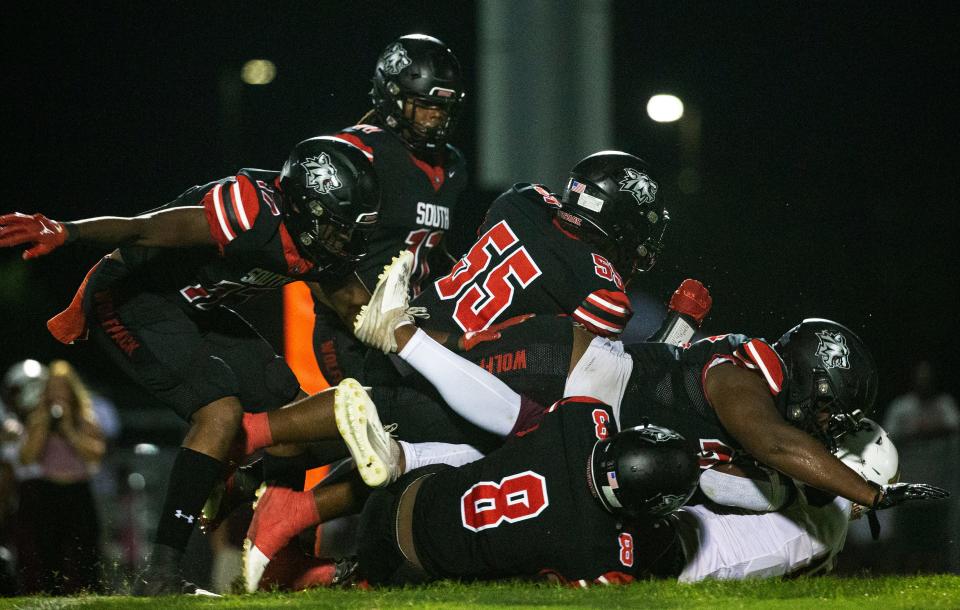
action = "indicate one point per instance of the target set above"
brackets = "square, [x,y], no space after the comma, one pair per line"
[828,160]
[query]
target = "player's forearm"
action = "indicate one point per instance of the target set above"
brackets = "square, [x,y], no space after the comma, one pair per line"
[170,228]
[472,392]
[105,230]
[345,301]
[801,457]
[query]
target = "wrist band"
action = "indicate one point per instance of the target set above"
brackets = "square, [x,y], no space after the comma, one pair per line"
[70,228]
[879,497]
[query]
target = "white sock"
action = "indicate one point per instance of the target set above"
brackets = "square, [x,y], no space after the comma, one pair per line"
[417,455]
[469,390]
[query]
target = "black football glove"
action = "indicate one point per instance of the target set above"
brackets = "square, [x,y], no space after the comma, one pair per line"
[898,493]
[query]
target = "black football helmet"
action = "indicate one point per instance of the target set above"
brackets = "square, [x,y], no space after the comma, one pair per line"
[331,200]
[611,200]
[831,378]
[644,472]
[423,71]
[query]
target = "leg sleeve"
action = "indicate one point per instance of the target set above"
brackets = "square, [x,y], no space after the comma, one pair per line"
[417,455]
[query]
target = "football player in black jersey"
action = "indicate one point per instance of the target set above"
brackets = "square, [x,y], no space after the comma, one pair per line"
[567,498]
[158,305]
[418,89]
[540,254]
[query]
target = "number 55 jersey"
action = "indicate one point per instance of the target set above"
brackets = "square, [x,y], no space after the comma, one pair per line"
[525,262]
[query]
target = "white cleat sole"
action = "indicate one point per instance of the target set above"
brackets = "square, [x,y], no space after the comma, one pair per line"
[355,414]
[254,565]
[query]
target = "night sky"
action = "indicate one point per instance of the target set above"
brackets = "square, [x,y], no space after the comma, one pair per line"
[828,161]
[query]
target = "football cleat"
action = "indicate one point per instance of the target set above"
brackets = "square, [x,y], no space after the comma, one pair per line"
[294,570]
[375,452]
[162,576]
[279,514]
[388,306]
[240,488]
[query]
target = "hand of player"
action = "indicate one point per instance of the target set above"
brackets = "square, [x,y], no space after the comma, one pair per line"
[898,493]
[43,234]
[692,298]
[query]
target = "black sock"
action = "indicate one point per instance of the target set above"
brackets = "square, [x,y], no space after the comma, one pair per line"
[191,480]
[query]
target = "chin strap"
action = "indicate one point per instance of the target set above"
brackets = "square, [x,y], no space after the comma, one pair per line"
[872,520]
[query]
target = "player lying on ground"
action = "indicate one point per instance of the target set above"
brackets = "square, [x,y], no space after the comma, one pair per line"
[567,497]
[156,305]
[505,515]
[803,537]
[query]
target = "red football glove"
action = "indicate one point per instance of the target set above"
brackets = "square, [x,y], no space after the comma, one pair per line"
[44,234]
[692,298]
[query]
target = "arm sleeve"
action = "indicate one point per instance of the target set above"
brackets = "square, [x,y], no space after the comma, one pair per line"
[602,372]
[469,390]
[761,495]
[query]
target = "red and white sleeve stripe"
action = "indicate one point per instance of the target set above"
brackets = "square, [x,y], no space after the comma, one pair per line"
[604,312]
[757,354]
[232,208]
[754,355]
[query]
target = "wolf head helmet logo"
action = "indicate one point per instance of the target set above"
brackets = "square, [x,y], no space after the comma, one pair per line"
[321,174]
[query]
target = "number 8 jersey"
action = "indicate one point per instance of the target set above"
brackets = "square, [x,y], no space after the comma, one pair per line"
[527,509]
[525,262]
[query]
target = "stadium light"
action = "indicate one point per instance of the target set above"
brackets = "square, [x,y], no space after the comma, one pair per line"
[136,481]
[258,72]
[665,108]
[145,449]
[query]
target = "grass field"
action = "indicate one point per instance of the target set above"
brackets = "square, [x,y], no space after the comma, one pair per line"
[820,593]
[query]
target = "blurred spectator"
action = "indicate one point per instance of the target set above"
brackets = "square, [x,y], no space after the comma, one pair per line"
[924,423]
[923,412]
[58,526]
